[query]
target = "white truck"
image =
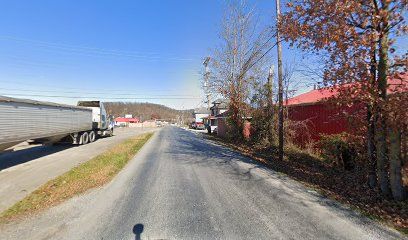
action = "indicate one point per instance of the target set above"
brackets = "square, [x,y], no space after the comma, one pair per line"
[47,123]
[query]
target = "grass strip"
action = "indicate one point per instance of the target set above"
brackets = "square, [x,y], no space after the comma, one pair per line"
[93,173]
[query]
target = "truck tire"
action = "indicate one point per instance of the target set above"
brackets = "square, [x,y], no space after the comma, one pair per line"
[111,133]
[85,138]
[92,136]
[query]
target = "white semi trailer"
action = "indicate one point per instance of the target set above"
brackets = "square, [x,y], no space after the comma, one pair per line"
[47,123]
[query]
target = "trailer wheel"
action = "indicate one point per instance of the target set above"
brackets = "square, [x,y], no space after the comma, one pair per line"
[85,138]
[92,136]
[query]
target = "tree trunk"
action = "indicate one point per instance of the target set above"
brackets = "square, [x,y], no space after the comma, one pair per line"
[381,137]
[382,159]
[371,121]
[395,164]
[404,145]
[371,151]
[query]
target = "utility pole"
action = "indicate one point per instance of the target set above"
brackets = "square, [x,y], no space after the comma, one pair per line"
[270,104]
[280,80]
[206,84]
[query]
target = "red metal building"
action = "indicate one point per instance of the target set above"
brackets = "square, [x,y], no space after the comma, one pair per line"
[317,117]
[121,121]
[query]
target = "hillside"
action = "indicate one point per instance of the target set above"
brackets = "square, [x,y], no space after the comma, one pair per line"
[146,111]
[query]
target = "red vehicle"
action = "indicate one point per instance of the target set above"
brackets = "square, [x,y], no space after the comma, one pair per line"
[200,126]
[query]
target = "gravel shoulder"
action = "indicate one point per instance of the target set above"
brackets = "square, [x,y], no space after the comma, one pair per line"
[28,167]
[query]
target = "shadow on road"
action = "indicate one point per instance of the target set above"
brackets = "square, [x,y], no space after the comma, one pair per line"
[137,230]
[11,159]
[219,158]
[208,154]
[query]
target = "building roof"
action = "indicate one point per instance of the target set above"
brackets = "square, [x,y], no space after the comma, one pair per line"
[220,103]
[130,120]
[225,115]
[218,100]
[311,96]
[209,117]
[324,93]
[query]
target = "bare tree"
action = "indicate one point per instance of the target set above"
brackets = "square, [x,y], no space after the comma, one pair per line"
[239,60]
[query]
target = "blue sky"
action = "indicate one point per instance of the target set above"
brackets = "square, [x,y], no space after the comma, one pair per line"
[148,50]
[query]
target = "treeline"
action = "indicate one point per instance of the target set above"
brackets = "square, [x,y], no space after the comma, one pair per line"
[147,111]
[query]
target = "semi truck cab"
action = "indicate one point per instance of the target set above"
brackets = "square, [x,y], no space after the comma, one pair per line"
[101,122]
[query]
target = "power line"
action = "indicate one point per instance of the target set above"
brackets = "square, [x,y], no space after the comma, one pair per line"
[96,51]
[94,93]
[82,89]
[95,97]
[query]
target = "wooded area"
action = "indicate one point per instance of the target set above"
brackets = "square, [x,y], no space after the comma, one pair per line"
[147,111]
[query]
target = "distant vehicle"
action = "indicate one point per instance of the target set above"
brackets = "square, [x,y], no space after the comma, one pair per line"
[48,123]
[193,125]
[200,126]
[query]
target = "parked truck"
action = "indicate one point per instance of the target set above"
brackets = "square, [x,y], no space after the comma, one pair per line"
[47,123]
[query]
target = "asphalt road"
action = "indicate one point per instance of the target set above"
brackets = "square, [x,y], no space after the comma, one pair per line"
[28,167]
[181,186]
